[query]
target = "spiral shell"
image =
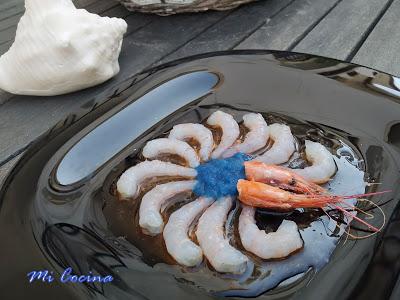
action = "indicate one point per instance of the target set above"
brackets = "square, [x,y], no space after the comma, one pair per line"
[60,49]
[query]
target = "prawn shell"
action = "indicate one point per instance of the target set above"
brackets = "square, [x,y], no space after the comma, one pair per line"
[280,176]
[262,195]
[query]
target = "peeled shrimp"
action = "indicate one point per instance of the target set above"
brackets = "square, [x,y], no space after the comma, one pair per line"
[198,132]
[255,139]
[281,177]
[277,244]
[150,218]
[211,236]
[230,131]
[156,147]
[179,245]
[283,146]
[128,183]
[323,165]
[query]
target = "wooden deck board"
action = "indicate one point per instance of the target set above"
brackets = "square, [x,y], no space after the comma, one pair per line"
[10,8]
[11,21]
[306,25]
[340,31]
[283,31]
[7,35]
[101,6]
[118,12]
[381,48]
[229,31]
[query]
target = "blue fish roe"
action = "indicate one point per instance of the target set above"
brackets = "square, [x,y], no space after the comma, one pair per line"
[218,177]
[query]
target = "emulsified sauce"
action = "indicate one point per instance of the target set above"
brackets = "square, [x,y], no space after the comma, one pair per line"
[319,233]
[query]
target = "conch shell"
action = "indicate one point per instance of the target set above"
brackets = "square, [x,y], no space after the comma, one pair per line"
[60,49]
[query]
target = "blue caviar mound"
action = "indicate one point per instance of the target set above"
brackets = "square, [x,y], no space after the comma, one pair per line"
[218,177]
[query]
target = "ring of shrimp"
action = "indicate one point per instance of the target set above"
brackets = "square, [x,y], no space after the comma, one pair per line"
[267,186]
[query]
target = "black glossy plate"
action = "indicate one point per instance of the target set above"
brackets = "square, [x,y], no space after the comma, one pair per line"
[52,203]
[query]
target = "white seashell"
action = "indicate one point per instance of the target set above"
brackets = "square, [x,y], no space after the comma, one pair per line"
[60,49]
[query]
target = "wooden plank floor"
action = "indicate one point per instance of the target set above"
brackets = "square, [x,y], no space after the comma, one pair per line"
[352,30]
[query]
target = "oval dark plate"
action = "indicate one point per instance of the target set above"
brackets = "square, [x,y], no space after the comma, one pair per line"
[52,205]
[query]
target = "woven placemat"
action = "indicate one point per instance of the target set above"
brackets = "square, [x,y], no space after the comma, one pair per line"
[169,7]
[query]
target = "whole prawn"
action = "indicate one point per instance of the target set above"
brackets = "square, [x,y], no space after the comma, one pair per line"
[279,176]
[275,187]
